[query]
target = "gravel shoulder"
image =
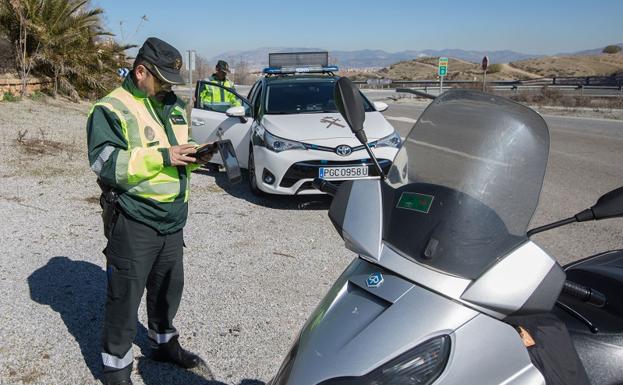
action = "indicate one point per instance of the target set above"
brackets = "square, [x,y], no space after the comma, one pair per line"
[255,269]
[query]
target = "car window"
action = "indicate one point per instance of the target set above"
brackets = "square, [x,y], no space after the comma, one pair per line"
[214,97]
[250,95]
[303,97]
[257,99]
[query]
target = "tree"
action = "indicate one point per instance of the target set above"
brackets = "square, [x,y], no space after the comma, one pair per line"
[15,16]
[612,49]
[202,67]
[62,39]
[242,73]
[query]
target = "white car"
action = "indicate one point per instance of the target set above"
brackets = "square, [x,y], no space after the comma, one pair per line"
[289,132]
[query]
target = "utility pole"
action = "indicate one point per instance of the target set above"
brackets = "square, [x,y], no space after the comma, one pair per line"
[484,65]
[190,66]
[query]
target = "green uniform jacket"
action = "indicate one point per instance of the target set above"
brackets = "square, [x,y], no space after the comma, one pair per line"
[128,137]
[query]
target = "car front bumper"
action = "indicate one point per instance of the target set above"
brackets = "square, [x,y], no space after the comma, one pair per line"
[295,170]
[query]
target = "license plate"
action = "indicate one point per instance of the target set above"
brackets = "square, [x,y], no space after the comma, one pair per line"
[352,172]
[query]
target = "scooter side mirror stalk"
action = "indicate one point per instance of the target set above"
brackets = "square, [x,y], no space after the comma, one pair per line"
[350,104]
[609,205]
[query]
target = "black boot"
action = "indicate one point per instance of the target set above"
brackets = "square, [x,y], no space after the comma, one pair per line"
[173,352]
[117,376]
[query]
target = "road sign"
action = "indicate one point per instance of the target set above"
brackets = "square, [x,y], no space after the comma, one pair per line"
[123,72]
[443,66]
[443,71]
[485,63]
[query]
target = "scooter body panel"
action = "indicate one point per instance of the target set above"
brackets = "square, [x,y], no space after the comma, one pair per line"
[347,335]
[601,353]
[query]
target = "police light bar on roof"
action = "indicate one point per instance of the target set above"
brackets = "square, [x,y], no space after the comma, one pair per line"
[298,59]
[299,62]
[299,70]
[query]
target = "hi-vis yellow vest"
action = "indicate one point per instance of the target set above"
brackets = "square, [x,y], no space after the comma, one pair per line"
[141,170]
[217,95]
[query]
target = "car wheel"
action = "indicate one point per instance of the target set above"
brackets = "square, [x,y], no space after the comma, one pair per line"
[252,178]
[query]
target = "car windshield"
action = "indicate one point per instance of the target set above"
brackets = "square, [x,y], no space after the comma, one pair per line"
[303,96]
[466,182]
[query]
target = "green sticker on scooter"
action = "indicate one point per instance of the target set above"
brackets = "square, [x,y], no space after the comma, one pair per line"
[415,201]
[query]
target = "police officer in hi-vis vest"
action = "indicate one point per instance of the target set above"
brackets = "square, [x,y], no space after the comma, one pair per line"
[218,98]
[141,151]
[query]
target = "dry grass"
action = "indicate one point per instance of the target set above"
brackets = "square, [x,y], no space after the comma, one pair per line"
[597,65]
[426,68]
[554,97]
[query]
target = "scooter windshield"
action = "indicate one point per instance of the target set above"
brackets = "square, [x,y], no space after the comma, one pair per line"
[466,182]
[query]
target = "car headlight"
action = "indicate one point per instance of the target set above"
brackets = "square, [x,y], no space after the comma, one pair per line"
[277,144]
[392,140]
[421,365]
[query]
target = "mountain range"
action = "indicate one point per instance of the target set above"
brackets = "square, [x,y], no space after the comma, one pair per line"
[376,58]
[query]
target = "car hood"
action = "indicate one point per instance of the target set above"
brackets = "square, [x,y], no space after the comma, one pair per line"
[318,127]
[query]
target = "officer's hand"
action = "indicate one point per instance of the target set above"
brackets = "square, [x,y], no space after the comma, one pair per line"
[205,157]
[179,154]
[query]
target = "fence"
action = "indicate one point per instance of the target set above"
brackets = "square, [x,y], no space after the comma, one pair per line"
[592,86]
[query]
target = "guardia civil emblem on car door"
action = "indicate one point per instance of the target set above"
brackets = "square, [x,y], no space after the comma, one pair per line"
[375,280]
[343,150]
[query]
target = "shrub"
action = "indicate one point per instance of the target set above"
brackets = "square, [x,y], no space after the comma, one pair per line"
[612,49]
[36,96]
[494,68]
[9,97]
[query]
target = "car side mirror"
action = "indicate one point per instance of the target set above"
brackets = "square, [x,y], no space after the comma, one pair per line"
[350,104]
[238,112]
[380,106]
[609,205]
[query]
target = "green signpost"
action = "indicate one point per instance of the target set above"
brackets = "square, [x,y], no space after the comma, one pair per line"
[442,71]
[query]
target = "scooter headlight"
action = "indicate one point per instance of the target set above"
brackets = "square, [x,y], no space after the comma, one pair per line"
[421,365]
[391,140]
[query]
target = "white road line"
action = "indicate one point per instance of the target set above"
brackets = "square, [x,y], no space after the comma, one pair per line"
[583,118]
[459,153]
[401,119]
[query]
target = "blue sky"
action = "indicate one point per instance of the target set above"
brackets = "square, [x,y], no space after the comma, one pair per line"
[527,26]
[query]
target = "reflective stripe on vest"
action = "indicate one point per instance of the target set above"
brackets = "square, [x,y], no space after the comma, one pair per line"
[144,133]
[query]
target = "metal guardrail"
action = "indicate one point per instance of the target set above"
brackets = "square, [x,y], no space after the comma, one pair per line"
[578,81]
[506,86]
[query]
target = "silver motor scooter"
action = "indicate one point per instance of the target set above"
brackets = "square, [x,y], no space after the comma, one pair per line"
[445,260]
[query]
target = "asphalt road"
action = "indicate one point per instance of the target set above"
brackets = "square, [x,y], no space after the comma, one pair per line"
[585,161]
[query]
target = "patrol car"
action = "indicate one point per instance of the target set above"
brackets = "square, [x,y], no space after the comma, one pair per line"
[288,131]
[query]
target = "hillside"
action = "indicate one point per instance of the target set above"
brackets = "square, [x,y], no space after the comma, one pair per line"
[367,58]
[595,65]
[426,68]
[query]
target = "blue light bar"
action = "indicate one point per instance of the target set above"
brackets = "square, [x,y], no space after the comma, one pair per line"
[299,70]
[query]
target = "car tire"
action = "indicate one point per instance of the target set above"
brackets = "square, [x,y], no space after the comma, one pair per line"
[252,177]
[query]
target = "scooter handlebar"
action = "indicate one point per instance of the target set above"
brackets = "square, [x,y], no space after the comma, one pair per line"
[583,293]
[324,186]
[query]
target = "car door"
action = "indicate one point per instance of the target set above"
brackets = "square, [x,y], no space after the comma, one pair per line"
[210,122]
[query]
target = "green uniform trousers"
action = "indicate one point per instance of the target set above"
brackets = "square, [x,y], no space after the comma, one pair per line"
[138,257]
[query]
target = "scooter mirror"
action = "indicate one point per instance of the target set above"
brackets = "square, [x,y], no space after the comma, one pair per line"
[610,205]
[350,104]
